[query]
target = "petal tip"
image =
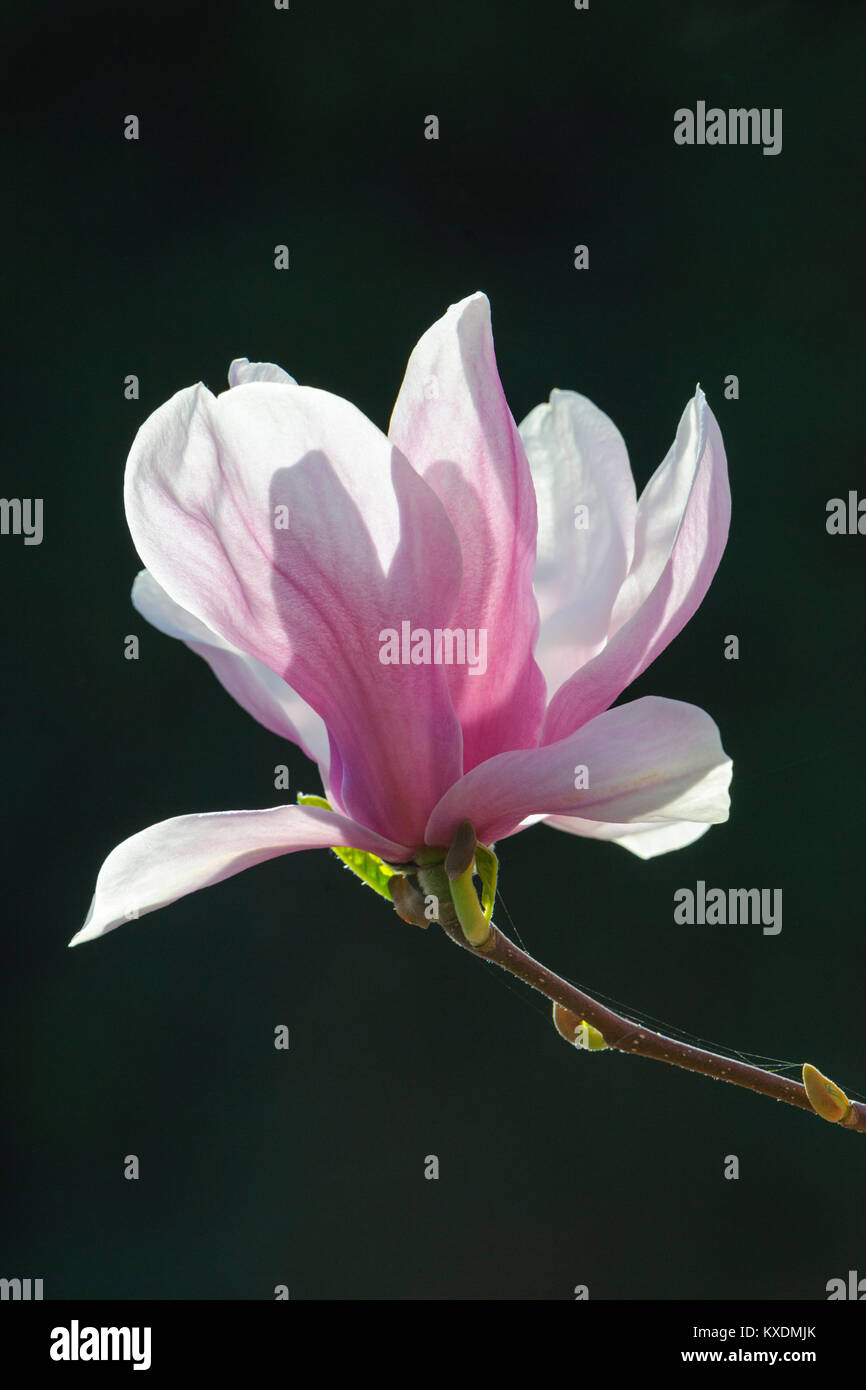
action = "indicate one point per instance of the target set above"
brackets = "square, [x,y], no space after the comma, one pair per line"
[243,372]
[87,931]
[477,301]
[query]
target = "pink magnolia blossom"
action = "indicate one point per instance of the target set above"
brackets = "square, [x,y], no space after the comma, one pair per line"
[284,534]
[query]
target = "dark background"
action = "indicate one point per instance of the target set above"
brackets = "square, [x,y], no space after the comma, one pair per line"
[306,1168]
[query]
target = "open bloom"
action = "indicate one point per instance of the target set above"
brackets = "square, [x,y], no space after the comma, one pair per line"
[441,618]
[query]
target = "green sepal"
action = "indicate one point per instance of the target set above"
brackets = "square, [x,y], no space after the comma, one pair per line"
[306,799]
[487,868]
[369,868]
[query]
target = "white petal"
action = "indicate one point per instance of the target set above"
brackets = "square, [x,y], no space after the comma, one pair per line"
[646,840]
[680,533]
[651,761]
[578,459]
[242,371]
[258,689]
[178,856]
[286,521]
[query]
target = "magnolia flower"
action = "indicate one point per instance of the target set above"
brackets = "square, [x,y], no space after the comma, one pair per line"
[338,582]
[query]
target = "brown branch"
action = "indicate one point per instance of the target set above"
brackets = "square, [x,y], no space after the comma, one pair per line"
[626,1036]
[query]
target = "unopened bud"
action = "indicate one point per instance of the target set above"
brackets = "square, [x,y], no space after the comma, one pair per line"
[409,901]
[825,1097]
[577,1031]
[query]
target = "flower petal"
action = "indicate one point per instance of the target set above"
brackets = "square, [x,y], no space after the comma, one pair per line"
[181,855]
[286,522]
[680,533]
[652,760]
[645,839]
[578,460]
[452,422]
[242,371]
[258,689]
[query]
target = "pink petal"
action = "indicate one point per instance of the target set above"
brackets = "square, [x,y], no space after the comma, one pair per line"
[181,855]
[452,422]
[261,692]
[368,544]
[652,760]
[681,529]
[578,460]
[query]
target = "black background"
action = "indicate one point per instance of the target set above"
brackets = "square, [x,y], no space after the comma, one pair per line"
[155,257]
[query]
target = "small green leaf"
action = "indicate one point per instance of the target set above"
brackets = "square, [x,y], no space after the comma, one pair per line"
[369,868]
[487,868]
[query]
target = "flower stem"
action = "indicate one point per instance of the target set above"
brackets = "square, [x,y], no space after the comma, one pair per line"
[626,1036]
